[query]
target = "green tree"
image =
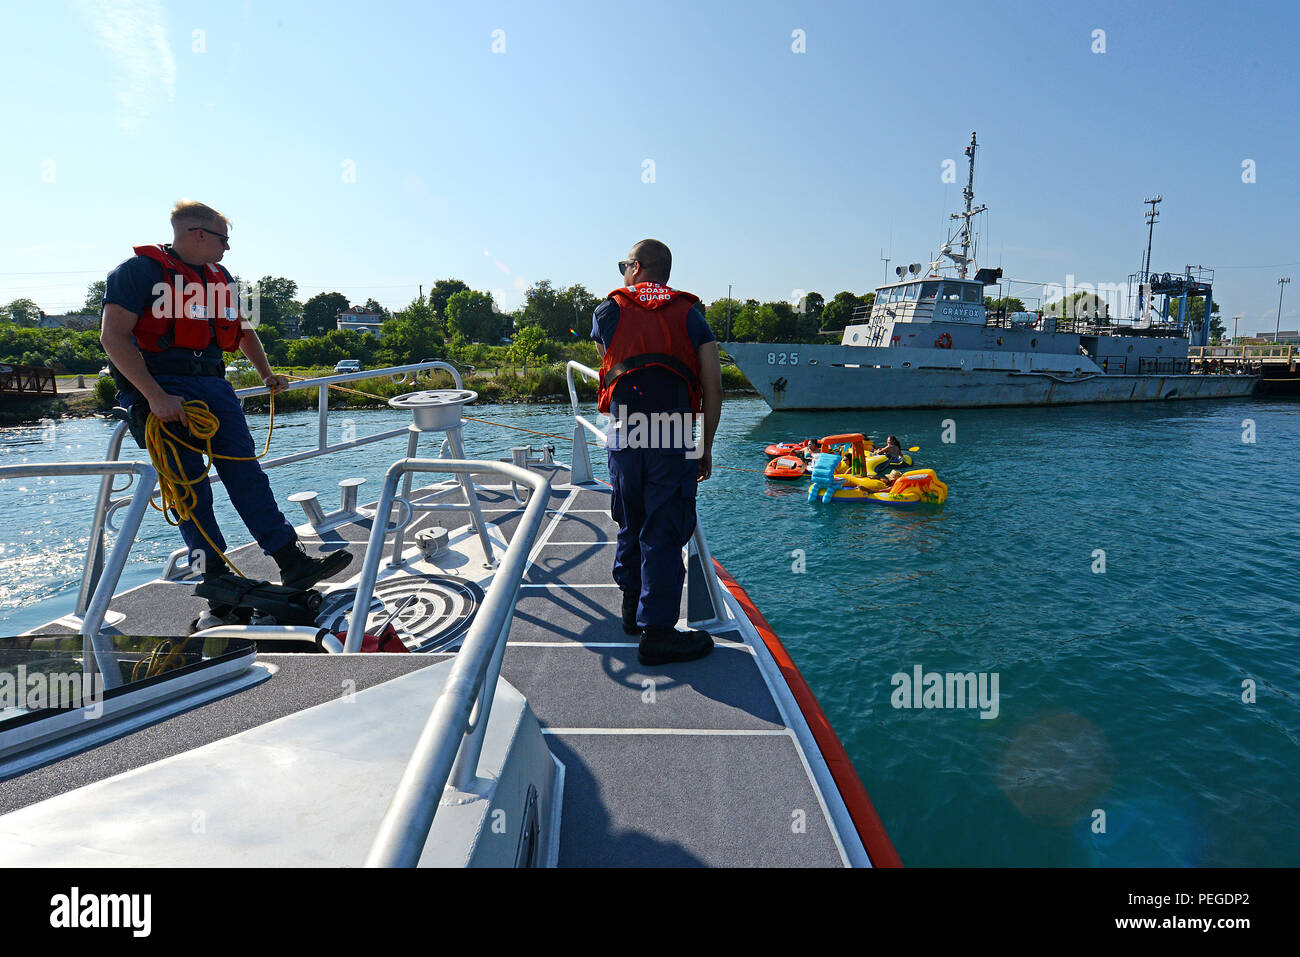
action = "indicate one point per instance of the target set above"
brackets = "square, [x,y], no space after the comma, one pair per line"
[721,315]
[1196,314]
[275,307]
[1006,305]
[471,316]
[320,313]
[839,311]
[581,304]
[60,349]
[529,346]
[544,308]
[374,306]
[813,305]
[781,319]
[747,323]
[1078,305]
[94,298]
[443,290]
[328,349]
[21,312]
[412,334]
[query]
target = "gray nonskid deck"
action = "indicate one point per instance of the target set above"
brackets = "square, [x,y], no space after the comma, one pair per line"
[682,764]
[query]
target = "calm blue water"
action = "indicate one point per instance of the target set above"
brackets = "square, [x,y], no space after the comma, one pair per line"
[1120,692]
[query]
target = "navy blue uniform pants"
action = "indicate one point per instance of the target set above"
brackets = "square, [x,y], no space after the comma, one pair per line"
[245,482]
[654,505]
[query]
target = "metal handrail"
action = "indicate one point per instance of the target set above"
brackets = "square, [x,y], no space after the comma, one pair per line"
[1244,351]
[590,373]
[452,739]
[94,552]
[97,605]
[580,467]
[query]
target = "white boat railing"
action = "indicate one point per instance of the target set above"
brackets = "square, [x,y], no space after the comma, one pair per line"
[447,753]
[581,464]
[94,564]
[448,750]
[101,592]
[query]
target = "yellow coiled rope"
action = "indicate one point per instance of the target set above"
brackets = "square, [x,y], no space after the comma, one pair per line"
[163,658]
[177,489]
[179,499]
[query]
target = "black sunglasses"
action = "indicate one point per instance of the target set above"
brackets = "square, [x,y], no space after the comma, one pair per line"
[622,266]
[200,229]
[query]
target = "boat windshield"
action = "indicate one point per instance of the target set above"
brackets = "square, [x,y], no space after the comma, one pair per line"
[45,675]
[929,289]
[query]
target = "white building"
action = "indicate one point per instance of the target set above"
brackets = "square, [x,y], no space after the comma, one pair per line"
[360,320]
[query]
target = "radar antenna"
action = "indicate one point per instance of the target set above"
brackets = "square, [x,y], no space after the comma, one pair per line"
[963,259]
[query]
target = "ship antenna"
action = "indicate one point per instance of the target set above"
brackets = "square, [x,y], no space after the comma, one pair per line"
[969,213]
[1151,216]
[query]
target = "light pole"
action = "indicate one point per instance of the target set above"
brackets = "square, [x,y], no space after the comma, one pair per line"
[728,311]
[1281,287]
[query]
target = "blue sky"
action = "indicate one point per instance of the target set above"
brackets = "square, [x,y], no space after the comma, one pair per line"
[773,170]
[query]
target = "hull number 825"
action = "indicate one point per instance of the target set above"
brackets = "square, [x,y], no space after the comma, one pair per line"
[783,358]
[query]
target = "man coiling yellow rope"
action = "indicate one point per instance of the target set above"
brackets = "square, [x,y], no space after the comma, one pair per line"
[176,488]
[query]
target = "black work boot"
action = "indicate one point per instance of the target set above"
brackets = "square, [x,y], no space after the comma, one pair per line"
[219,612]
[662,645]
[630,600]
[300,571]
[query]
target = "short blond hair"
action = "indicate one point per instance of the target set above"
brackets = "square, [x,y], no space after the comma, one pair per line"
[188,212]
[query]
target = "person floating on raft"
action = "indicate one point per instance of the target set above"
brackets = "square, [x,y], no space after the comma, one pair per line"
[853,477]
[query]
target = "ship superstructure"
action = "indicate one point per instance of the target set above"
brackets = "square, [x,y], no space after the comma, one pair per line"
[929,339]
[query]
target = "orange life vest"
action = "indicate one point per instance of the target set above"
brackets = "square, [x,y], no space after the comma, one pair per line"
[191,310]
[651,332]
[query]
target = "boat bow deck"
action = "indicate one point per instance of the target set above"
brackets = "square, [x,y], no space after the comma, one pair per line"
[703,763]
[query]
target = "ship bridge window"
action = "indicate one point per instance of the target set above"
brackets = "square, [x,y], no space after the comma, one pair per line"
[951,292]
[928,289]
[912,290]
[896,293]
[972,294]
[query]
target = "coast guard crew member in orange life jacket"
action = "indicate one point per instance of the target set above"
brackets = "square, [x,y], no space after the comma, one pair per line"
[169,314]
[659,368]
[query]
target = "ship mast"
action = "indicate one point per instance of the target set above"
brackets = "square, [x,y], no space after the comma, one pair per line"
[966,215]
[1144,282]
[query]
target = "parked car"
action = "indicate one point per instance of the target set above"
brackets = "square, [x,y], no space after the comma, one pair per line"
[348,365]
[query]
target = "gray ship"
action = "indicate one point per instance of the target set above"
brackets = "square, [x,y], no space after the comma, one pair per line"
[928,341]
